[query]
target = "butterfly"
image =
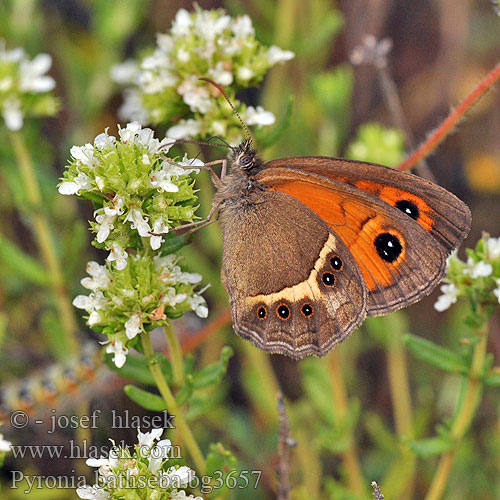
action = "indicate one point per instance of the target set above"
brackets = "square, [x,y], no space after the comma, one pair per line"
[312,245]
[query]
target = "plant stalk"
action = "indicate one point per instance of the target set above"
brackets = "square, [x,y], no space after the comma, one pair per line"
[451,120]
[176,354]
[350,455]
[45,240]
[172,406]
[464,417]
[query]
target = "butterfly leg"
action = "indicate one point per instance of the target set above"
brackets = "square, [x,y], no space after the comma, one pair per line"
[194,226]
[207,166]
[223,170]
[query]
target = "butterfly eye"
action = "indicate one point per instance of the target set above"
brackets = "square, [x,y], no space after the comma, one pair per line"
[246,160]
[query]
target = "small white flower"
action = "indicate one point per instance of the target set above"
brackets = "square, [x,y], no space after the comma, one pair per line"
[448,298]
[244,73]
[496,291]
[132,108]
[480,269]
[4,444]
[80,183]
[119,351]
[137,221]
[118,255]
[171,298]
[198,305]
[178,477]
[124,72]
[106,216]
[146,439]
[12,114]
[133,326]
[104,141]
[197,98]
[183,55]
[158,455]
[259,116]
[32,78]
[100,277]
[242,27]
[184,129]
[161,180]
[159,228]
[93,493]
[493,246]
[220,75]
[276,55]
[84,155]
[182,23]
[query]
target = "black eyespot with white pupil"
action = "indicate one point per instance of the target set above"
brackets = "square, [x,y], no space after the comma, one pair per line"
[283,311]
[409,208]
[262,312]
[388,247]
[336,263]
[307,310]
[328,279]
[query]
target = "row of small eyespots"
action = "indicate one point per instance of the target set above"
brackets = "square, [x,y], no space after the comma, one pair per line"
[283,311]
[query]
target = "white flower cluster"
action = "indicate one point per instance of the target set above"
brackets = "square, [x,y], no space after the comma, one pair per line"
[206,43]
[141,472]
[4,444]
[474,270]
[20,77]
[133,164]
[118,302]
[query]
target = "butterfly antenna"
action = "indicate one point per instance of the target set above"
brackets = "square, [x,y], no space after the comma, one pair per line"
[204,143]
[221,90]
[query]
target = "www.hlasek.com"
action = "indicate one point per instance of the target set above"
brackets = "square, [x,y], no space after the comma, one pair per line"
[77,450]
[206,484]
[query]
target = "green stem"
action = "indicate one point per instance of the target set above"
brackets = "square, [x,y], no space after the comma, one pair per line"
[401,400]
[350,454]
[176,354]
[45,241]
[173,408]
[464,417]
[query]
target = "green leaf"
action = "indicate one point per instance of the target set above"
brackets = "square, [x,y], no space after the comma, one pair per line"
[173,243]
[146,399]
[325,31]
[267,139]
[378,144]
[492,379]
[220,459]
[214,373]
[21,264]
[137,368]
[431,447]
[55,337]
[186,391]
[436,355]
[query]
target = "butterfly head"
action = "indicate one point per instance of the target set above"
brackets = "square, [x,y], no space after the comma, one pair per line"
[245,158]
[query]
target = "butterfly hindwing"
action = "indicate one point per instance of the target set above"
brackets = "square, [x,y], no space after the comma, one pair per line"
[294,287]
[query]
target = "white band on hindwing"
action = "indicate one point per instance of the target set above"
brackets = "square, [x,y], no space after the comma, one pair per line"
[304,288]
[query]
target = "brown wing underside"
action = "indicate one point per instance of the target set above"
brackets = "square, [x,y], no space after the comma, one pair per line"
[275,255]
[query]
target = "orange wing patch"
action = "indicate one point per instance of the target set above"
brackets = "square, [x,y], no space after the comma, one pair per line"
[393,195]
[357,225]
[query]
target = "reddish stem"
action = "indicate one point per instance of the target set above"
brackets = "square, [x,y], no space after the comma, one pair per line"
[452,120]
